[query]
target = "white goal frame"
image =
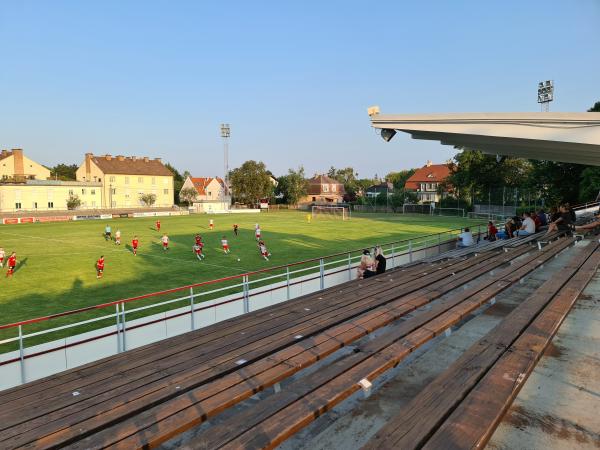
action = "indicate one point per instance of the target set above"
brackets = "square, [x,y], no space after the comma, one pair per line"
[333,211]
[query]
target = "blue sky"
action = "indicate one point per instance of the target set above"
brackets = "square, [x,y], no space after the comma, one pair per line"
[156,78]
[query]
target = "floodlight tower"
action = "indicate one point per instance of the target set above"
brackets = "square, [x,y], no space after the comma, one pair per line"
[545,94]
[225,134]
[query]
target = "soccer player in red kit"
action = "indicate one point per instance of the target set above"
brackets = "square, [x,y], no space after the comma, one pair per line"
[134,245]
[198,239]
[158,225]
[100,267]
[12,263]
[197,248]
[225,244]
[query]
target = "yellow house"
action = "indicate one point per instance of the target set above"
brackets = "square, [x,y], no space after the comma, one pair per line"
[14,166]
[24,186]
[48,195]
[125,179]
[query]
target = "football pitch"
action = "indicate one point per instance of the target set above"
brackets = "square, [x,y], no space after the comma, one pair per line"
[56,261]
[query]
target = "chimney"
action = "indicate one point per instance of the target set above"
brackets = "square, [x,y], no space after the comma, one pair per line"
[133,158]
[157,159]
[88,166]
[19,166]
[429,163]
[120,157]
[146,159]
[107,157]
[4,153]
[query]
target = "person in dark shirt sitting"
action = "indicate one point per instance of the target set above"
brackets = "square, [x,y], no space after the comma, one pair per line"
[542,217]
[563,221]
[380,261]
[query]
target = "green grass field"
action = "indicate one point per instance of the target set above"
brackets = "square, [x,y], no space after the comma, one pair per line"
[56,261]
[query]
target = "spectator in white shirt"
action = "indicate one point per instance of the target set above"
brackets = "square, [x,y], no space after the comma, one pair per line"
[528,226]
[465,239]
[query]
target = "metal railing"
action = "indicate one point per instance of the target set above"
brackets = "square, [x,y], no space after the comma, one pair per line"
[194,297]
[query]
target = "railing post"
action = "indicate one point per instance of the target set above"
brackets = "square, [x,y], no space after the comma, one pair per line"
[410,255]
[349,267]
[393,257]
[123,328]
[117,315]
[246,295]
[192,323]
[22,354]
[439,243]
[322,273]
[287,281]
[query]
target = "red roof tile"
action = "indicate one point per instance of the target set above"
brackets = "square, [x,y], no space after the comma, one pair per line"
[435,173]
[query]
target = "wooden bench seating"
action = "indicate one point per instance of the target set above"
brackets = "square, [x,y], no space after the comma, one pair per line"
[208,354]
[461,408]
[276,418]
[146,396]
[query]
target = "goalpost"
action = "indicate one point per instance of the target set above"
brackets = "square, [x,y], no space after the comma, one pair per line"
[335,212]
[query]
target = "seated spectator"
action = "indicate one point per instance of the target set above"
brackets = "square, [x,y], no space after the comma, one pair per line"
[465,239]
[562,222]
[542,218]
[492,231]
[380,261]
[571,212]
[589,226]
[366,265]
[527,227]
[509,229]
[536,220]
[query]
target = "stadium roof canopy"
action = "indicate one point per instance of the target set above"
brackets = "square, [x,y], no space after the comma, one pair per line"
[566,137]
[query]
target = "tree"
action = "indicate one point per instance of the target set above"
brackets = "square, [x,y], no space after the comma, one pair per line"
[177,181]
[188,195]
[292,186]
[148,199]
[73,202]
[64,172]
[250,182]
[398,179]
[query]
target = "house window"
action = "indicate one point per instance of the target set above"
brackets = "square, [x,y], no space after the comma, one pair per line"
[153,180]
[325,188]
[126,180]
[70,191]
[50,205]
[112,179]
[18,205]
[314,199]
[209,194]
[34,205]
[83,192]
[141,180]
[333,188]
[93,203]
[113,191]
[114,203]
[93,191]
[166,191]
[422,186]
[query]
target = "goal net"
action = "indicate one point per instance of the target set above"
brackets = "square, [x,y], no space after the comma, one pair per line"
[416,208]
[334,212]
[454,212]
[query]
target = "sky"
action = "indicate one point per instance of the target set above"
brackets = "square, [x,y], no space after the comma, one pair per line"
[294,79]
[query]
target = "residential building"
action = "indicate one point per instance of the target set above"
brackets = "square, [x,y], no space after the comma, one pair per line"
[385,187]
[211,195]
[15,166]
[426,181]
[25,186]
[323,190]
[125,179]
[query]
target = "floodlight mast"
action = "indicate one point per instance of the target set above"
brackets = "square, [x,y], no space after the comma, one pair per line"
[225,134]
[545,94]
